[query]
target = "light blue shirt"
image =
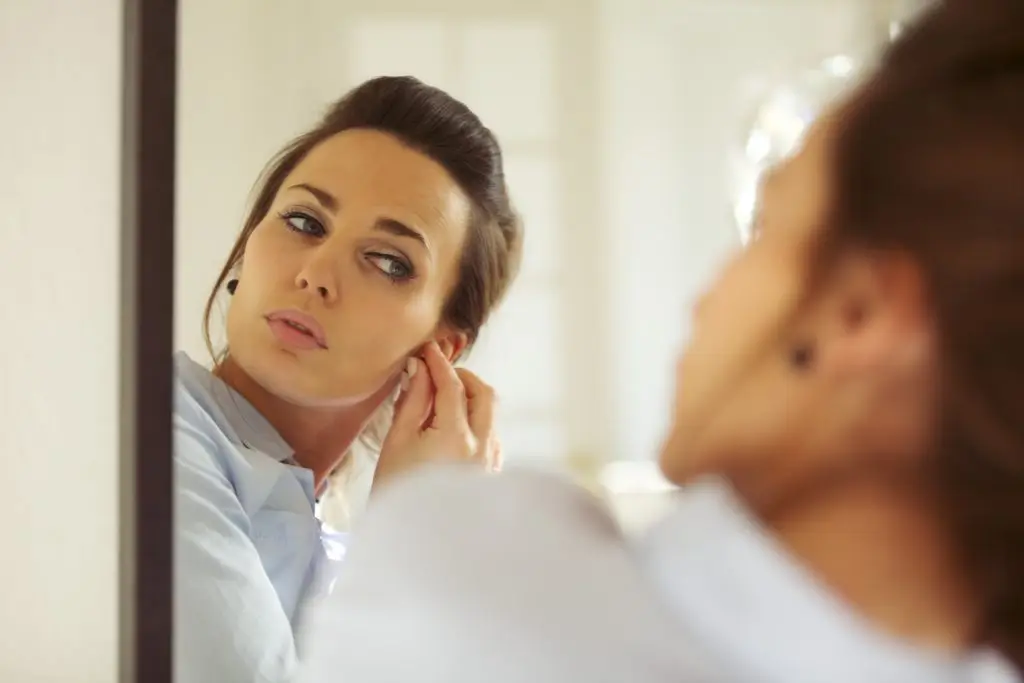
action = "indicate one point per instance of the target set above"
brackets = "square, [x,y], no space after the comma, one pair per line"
[456,576]
[248,549]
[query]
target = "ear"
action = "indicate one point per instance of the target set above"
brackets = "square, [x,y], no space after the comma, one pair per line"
[452,343]
[874,315]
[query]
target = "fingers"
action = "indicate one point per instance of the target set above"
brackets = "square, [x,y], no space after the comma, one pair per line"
[458,404]
[450,395]
[480,405]
[413,406]
[481,408]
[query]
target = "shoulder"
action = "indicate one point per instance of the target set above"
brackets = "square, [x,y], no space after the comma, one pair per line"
[197,413]
[519,576]
[191,403]
[458,503]
[196,440]
[201,443]
[477,544]
[205,472]
[444,490]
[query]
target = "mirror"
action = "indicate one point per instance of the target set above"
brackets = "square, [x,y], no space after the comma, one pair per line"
[616,122]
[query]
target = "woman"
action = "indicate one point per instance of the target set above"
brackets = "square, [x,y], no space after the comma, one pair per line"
[854,386]
[377,245]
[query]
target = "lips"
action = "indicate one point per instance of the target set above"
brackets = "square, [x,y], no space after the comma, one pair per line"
[302,323]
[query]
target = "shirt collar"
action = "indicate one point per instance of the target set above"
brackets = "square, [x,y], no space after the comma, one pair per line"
[234,415]
[755,606]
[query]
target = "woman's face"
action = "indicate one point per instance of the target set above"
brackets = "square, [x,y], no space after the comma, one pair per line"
[782,387]
[361,247]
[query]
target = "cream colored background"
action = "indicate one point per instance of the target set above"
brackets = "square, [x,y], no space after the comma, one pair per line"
[60,106]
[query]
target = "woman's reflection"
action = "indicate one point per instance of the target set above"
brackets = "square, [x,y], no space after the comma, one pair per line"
[383,234]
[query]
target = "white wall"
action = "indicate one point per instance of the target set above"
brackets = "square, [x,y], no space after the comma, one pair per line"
[677,82]
[617,117]
[59,192]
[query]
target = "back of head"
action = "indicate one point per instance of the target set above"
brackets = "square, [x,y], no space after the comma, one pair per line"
[929,162]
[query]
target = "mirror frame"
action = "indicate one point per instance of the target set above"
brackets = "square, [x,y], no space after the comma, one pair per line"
[146,516]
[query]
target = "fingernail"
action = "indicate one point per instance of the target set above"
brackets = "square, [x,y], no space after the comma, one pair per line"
[410,367]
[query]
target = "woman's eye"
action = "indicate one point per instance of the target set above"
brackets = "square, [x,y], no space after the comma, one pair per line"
[304,223]
[392,266]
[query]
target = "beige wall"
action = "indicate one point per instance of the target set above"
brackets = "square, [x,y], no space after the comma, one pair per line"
[59,192]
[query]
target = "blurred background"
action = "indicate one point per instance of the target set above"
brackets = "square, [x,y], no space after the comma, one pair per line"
[628,129]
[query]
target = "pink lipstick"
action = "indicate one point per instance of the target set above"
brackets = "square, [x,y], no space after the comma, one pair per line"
[297,329]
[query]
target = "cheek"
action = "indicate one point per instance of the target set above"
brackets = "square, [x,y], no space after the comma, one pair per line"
[267,268]
[380,320]
[260,278]
[267,255]
[745,300]
[740,320]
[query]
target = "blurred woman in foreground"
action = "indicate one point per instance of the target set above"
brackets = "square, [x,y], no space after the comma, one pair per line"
[848,427]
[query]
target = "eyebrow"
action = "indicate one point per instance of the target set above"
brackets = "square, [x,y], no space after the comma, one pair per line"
[329,201]
[388,225]
[399,229]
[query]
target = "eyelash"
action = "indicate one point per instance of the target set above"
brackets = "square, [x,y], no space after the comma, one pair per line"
[405,275]
[291,217]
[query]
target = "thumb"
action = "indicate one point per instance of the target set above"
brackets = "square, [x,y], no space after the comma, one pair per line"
[413,406]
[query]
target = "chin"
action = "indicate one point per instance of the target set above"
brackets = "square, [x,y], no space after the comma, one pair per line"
[683,459]
[305,384]
[672,462]
[315,391]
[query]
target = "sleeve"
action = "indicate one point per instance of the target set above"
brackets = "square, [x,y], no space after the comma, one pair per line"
[229,625]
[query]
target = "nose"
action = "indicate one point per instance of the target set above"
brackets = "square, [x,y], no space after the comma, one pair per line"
[318,277]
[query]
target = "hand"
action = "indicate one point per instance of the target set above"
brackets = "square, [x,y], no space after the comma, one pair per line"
[443,414]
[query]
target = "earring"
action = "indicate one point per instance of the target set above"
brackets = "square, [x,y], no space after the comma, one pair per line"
[232,285]
[801,356]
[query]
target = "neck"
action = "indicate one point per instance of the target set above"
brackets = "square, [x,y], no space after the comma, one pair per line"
[319,436]
[885,555]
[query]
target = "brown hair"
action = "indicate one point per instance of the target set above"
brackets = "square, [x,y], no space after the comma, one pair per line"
[432,122]
[930,162]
